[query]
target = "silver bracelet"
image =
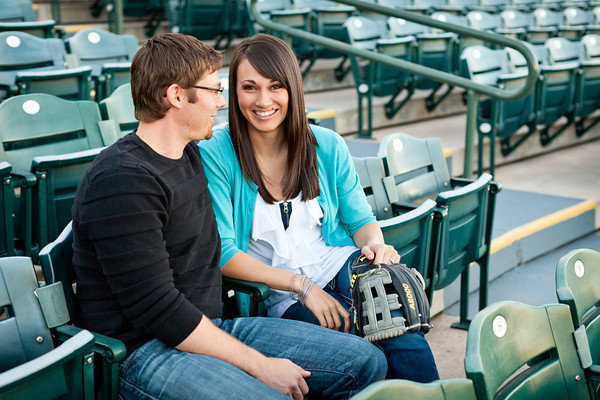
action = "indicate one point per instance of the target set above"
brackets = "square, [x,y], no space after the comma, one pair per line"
[305,290]
[293,295]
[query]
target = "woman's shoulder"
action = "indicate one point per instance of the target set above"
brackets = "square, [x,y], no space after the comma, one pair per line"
[220,143]
[326,138]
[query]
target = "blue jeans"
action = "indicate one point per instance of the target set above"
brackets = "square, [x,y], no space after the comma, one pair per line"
[155,371]
[409,356]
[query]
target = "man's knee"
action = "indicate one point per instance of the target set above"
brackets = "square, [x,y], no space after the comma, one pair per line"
[370,360]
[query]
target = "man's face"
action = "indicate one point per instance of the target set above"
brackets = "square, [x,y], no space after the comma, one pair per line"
[200,114]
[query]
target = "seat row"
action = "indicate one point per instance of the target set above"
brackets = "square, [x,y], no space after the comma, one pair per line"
[90,64]
[568,86]
[19,15]
[517,351]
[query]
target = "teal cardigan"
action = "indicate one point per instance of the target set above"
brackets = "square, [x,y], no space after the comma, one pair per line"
[344,205]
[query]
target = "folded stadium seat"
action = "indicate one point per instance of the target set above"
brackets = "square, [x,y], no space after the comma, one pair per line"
[587,87]
[543,17]
[406,227]
[373,79]
[433,50]
[484,21]
[56,260]
[551,4]
[523,5]
[464,214]
[49,142]
[577,277]
[499,118]
[108,54]
[424,6]
[523,26]
[517,351]
[492,6]
[457,7]
[30,366]
[7,233]
[576,23]
[283,12]
[29,64]
[327,19]
[396,389]
[118,107]
[554,93]
[18,15]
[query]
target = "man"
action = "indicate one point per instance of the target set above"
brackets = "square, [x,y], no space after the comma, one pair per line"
[146,252]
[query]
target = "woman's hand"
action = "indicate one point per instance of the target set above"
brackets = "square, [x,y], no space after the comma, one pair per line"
[327,309]
[381,253]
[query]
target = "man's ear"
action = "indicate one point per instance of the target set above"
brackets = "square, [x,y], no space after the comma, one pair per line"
[175,95]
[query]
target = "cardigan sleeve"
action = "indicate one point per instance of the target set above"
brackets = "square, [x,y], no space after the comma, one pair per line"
[217,167]
[354,210]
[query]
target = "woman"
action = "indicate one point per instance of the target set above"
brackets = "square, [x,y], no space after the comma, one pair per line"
[290,209]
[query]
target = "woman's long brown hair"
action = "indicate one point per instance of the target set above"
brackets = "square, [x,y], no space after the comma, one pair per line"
[275,60]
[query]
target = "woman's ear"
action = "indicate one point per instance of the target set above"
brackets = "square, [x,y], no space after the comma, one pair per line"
[175,95]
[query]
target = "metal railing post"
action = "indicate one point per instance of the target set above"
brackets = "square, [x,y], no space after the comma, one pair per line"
[118,13]
[472,99]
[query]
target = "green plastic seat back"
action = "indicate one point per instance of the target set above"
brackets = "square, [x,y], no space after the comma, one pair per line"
[402,27]
[387,79]
[591,46]
[484,65]
[17,11]
[561,50]
[266,6]
[576,16]
[517,62]
[577,277]
[463,232]
[508,336]
[371,172]
[6,211]
[484,21]
[41,124]
[544,17]
[25,322]
[596,12]
[204,19]
[20,51]
[416,168]
[364,32]
[512,19]
[396,389]
[96,47]
[119,108]
[56,260]
[493,3]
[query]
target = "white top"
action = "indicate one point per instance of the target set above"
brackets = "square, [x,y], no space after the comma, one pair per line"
[301,248]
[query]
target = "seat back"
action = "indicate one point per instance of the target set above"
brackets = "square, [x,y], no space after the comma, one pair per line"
[371,173]
[415,168]
[577,277]
[41,124]
[364,32]
[591,47]
[484,21]
[118,107]
[24,334]
[96,47]
[513,19]
[576,17]
[396,389]
[544,17]
[401,27]
[484,65]
[17,11]
[561,50]
[508,336]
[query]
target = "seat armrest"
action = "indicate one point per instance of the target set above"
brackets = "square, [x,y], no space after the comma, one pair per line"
[27,179]
[258,291]
[57,74]
[112,350]
[41,162]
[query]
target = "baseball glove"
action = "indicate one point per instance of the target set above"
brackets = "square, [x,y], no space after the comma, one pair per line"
[389,299]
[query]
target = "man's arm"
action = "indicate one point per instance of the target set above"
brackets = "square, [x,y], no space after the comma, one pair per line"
[279,373]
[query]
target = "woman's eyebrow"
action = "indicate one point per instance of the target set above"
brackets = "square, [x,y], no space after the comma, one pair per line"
[249,81]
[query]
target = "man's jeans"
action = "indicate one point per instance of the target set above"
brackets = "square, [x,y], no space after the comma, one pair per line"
[409,356]
[340,364]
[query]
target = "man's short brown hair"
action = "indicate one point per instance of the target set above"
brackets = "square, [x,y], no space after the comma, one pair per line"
[162,61]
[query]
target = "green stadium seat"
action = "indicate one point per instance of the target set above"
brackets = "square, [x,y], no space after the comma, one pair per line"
[492,6]
[29,64]
[327,19]
[18,15]
[524,5]
[373,79]
[406,227]
[433,50]
[587,87]
[497,118]
[521,25]
[458,7]
[462,227]
[460,42]
[484,21]
[577,277]
[30,366]
[425,6]
[396,389]
[7,234]
[517,351]
[153,9]
[58,132]
[108,54]
[118,107]
[578,22]
[543,17]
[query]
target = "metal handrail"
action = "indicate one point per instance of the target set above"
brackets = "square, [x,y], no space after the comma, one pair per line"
[473,89]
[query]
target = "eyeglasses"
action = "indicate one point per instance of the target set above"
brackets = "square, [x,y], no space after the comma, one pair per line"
[216,91]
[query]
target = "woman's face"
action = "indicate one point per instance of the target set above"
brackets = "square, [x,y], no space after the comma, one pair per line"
[264,102]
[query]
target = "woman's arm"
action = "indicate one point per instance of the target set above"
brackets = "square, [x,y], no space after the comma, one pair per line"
[323,306]
[369,239]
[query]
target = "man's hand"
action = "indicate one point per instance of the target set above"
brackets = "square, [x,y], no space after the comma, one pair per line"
[284,376]
[327,309]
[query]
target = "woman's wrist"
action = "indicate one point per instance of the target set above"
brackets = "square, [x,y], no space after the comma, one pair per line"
[299,288]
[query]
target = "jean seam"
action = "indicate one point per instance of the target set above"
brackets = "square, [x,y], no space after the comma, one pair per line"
[137,389]
[354,389]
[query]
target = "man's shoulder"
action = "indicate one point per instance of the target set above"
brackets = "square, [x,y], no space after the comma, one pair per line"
[118,158]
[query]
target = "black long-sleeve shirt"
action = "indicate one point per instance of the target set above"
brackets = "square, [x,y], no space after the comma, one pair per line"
[146,245]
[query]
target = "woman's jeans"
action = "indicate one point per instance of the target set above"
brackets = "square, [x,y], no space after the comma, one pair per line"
[340,364]
[409,356]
